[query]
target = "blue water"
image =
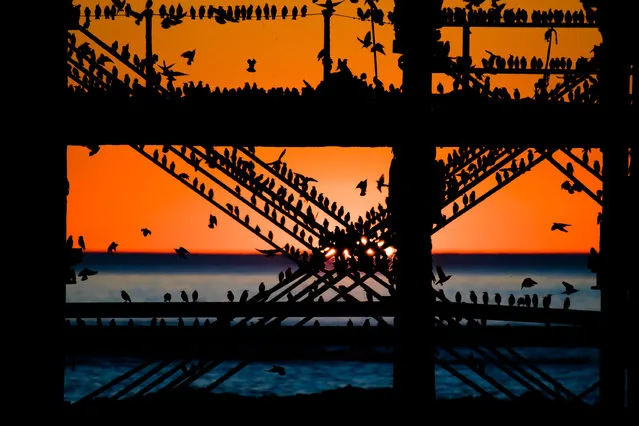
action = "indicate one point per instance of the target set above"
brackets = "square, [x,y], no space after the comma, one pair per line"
[147,277]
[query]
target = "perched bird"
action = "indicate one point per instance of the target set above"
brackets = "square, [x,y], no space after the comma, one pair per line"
[195,296]
[167,297]
[557,226]
[567,303]
[441,276]
[251,65]
[569,288]
[484,298]
[230,296]
[244,296]
[535,300]
[498,299]
[458,297]
[112,247]
[262,287]
[85,273]
[212,221]
[277,369]
[511,300]
[528,282]
[593,260]
[362,187]
[182,252]
[81,242]
[125,296]
[473,297]
[189,55]
[146,232]
[184,296]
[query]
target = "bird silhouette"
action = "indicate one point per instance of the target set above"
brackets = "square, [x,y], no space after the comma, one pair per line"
[268,252]
[277,369]
[367,41]
[498,299]
[485,298]
[441,276]
[381,183]
[125,296]
[81,242]
[182,252]
[184,296]
[528,282]
[189,55]
[167,297]
[230,296]
[593,260]
[473,297]
[511,300]
[112,248]
[567,303]
[558,226]
[251,65]
[85,273]
[458,297]
[195,296]
[569,288]
[212,221]
[362,187]
[244,296]
[146,232]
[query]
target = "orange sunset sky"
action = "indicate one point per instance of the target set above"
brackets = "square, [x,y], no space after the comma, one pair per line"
[116,192]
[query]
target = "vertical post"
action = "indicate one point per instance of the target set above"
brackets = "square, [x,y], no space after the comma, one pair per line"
[632,352]
[466,56]
[412,214]
[327,62]
[148,21]
[615,102]
[373,39]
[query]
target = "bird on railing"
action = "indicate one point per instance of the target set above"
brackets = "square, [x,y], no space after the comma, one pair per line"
[511,300]
[230,296]
[535,300]
[473,297]
[485,298]
[244,296]
[125,296]
[195,296]
[184,296]
[498,299]
[112,248]
[567,303]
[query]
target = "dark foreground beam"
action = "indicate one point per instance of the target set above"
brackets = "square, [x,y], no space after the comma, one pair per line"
[323,310]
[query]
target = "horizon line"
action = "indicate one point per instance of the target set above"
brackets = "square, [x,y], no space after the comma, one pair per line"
[210,253]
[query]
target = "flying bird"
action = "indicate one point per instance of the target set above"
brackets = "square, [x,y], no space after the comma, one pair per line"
[212,221]
[277,369]
[189,55]
[362,187]
[112,247]
[182,252]
[85,273]
[125,296]
[268,252]
[528,282]
[441,276]
[569,288]
[557,226]
[381,183]
[146,232]
[251,65]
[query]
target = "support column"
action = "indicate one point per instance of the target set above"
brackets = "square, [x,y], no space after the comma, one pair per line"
[614,80]
[149,71]
[413,211]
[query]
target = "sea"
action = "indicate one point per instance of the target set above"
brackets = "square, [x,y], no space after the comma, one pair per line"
[148,277]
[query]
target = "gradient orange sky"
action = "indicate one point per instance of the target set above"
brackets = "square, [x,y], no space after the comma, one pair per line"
[118,191]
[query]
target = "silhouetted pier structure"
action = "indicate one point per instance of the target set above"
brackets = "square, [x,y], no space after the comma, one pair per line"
[609,128]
